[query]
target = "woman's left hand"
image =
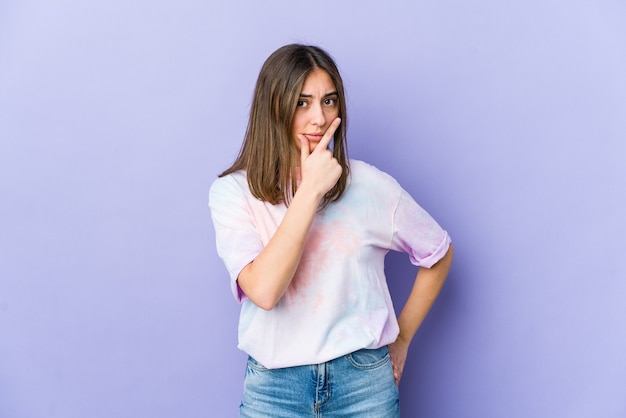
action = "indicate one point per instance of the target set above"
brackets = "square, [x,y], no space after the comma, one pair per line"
[398,351]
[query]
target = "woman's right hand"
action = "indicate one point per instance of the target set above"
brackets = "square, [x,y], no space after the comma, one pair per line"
[266,278]
[319,169]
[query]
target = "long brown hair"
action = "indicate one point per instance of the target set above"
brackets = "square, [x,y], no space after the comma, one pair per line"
[267,153]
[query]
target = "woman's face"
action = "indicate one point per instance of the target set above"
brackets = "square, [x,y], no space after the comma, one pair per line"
[318,106]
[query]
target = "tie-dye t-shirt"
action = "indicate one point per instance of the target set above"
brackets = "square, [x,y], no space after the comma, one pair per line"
[338,301]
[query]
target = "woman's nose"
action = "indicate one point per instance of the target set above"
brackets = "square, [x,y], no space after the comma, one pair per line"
[317,115]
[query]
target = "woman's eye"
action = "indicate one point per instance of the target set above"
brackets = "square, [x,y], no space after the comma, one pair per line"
[301,103]
[330,102]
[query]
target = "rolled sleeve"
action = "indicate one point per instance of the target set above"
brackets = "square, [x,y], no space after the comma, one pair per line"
[237,240]
[417,233]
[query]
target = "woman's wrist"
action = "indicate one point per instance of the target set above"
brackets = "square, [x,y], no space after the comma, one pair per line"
[309,192]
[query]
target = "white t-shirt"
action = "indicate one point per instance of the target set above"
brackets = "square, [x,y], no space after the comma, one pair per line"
[338,301]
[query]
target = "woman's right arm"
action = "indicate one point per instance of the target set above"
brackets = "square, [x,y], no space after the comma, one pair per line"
[266,278]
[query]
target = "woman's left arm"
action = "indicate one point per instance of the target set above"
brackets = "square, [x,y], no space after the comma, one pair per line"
[428,284]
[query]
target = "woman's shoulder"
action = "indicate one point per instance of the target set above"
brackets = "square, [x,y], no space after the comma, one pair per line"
[363,172]
[235,182]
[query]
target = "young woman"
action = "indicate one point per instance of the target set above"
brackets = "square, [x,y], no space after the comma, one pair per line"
[303,232]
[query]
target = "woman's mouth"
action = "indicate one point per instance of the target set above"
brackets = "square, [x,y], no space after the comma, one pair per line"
[314,137]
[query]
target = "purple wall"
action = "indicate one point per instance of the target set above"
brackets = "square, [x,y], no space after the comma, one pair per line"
[506,120]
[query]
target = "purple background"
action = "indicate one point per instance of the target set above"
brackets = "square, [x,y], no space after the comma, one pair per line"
[506,120]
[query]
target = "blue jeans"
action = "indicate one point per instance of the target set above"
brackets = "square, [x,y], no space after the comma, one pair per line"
[360,385]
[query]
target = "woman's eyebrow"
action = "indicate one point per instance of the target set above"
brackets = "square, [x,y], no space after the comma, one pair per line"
[333,93]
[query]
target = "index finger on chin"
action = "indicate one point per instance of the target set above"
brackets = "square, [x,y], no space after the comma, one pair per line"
[329,134]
